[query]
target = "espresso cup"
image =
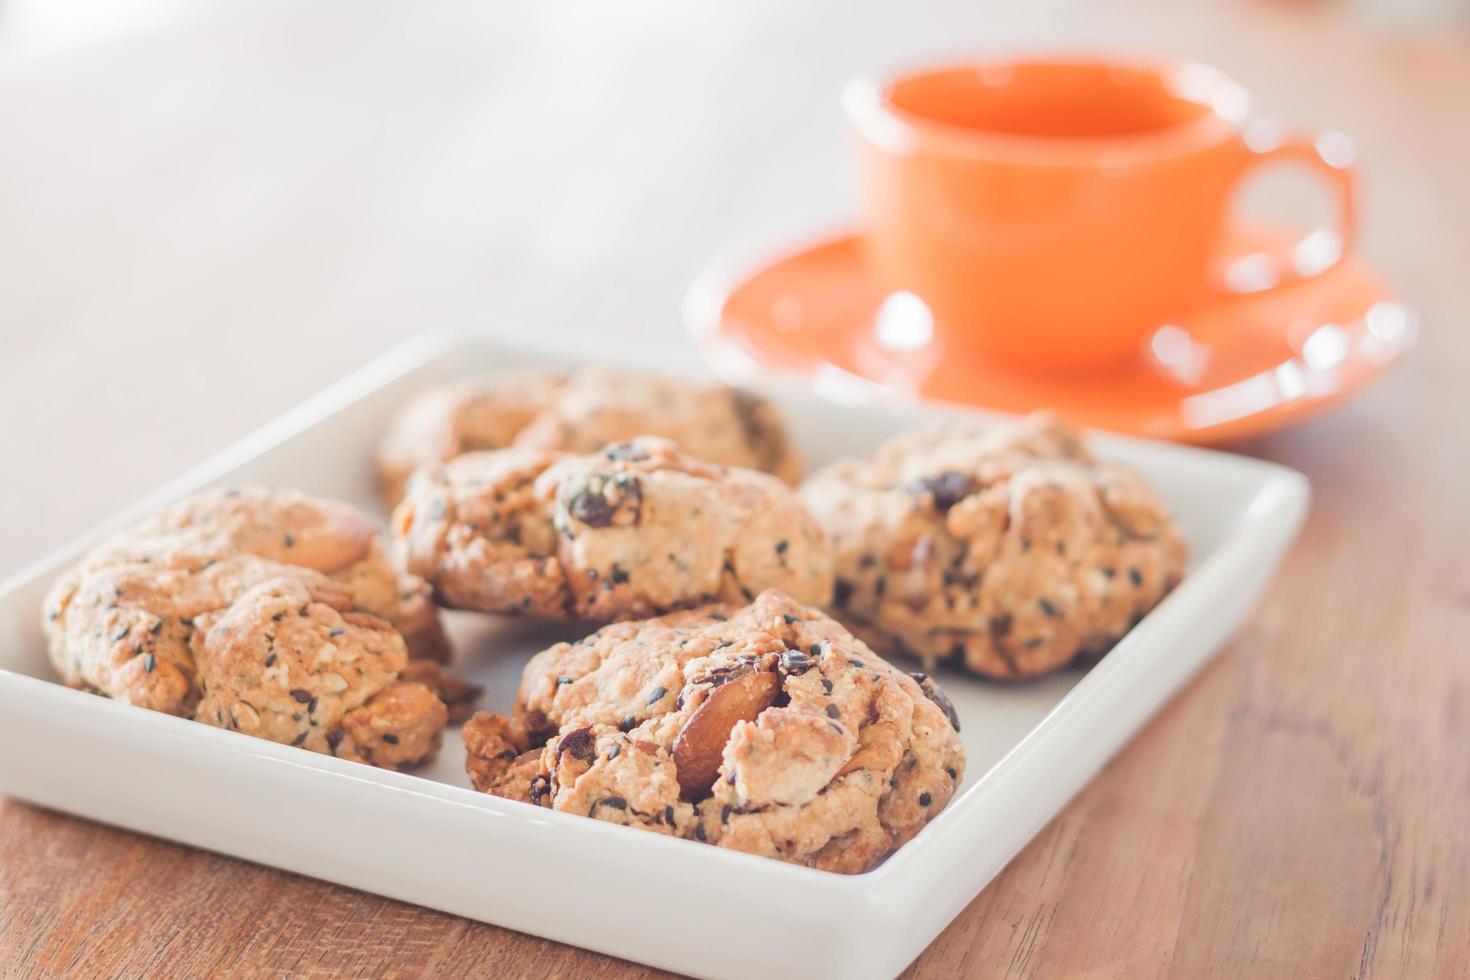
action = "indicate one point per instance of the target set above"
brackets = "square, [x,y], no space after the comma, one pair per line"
[1053,214]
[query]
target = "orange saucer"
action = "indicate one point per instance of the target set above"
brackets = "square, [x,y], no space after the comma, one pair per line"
[1245,365]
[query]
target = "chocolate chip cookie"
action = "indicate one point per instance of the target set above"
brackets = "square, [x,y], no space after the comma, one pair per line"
[581,412]
[637,529]
[269,612]
[766,728]
[1009,551]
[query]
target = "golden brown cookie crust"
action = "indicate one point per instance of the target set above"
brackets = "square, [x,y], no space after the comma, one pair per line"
[635,530]
[581,413]
[766,728]
[232,605]
[1010,551]
[288,528]
[298,666]
[461,417]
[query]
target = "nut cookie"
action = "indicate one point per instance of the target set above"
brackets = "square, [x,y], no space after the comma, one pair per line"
[296,665]
[1008,551]
[582,412]
[231,606]
[461,417]
[718,423]
[289,528]
[766,728]
[635,530]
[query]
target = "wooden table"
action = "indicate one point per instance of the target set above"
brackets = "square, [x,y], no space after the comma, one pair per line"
[208,214]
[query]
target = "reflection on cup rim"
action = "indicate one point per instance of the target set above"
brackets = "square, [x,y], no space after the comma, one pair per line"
[868,105]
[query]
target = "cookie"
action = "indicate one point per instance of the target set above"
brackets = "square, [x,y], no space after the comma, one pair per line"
[635,530]
[295,664]
[766,728]
[1009,551]
[232,606]
[717,423]
[581,413]
[461,417]
[290,528]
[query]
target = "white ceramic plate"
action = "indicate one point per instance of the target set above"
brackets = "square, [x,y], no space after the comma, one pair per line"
[428,838]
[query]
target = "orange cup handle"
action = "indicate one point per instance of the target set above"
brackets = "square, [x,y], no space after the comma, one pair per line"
[1328,154]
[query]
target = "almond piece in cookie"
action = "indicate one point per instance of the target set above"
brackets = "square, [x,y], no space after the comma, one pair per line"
[700,745]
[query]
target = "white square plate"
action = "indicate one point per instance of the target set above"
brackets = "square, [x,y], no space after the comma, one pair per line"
[428,838]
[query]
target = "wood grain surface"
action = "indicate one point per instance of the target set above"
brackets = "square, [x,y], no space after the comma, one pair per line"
[209,214]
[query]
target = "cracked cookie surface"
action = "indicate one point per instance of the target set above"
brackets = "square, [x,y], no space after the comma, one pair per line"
[581,412]
[296,665]
[637,529]
[766,728]
[1009,551]
[289,528]
[170,616]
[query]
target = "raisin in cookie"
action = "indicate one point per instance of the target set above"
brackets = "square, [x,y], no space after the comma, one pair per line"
[635,530]
[1010,551]
[767,729]
[231,606]
[582,412]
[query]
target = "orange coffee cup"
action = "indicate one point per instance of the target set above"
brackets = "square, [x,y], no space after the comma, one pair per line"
[1053,214]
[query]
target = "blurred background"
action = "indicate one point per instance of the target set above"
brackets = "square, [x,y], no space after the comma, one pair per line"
[210,210]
